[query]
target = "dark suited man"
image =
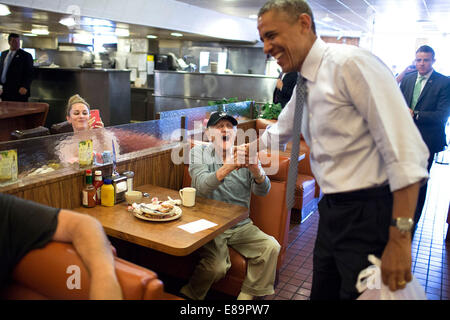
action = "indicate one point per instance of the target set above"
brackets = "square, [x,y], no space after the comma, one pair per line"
[427,94]
[285,86]
[16,68]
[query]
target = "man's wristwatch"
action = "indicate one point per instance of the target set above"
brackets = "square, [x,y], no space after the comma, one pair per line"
[403,224]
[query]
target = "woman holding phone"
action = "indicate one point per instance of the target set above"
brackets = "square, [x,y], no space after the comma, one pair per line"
[83,119]
[79,115]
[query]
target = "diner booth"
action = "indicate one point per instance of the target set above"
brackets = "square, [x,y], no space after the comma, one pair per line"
[157,151]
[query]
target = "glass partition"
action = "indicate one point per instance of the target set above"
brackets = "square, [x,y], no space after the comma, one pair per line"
[240,110]
[198,114]
[52,154]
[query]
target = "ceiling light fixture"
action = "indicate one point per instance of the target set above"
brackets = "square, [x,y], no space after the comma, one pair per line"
[151,36]
[68,21]
[327,18]
[40,32]
[30,35]
[253,16]
[4,10]
[176,34]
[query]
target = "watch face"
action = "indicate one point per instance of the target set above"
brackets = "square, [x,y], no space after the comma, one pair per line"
[405,224]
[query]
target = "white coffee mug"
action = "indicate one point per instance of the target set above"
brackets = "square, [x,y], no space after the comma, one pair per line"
[187,195]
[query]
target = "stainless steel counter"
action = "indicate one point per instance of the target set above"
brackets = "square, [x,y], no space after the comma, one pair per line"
[176,90]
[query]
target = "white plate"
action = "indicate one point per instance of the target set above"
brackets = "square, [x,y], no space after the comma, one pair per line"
[177,210]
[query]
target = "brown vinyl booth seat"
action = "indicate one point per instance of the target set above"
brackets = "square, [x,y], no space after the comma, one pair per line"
[270,214]
[61,127]
[42,274]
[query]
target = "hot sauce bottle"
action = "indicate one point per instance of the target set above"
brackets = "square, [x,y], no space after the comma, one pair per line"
[98,182]
[88,192]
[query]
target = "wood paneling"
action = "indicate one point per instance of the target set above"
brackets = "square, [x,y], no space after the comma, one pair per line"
[64,191]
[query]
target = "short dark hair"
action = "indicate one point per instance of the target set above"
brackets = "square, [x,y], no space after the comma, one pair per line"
[13,35]
[293,8]
[426,49]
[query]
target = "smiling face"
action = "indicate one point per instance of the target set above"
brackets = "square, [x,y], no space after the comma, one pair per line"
[424,62]
[78,117]
[288,40]
[222,135]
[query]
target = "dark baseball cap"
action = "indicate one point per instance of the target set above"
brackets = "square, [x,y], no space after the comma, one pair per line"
[217,116]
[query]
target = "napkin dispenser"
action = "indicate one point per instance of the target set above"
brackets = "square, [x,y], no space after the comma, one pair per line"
[119,183]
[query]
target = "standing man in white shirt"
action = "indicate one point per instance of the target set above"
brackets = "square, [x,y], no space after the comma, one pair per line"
[427,93]
[366,153]
[16,71]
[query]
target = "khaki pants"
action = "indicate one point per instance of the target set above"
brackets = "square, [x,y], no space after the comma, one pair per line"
[260,249]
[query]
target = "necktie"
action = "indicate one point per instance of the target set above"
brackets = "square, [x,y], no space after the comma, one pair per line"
[6,66]
[416,92]
[300,99]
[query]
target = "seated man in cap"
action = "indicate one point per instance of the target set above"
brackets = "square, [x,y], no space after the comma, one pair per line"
[214,175]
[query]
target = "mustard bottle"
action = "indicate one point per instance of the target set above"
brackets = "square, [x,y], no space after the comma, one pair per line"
[107,191]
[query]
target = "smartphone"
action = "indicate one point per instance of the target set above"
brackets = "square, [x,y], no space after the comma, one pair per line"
[95,113]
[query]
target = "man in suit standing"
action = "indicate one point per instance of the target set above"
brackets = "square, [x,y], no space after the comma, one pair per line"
[16,68]
[427,94]
[283,90]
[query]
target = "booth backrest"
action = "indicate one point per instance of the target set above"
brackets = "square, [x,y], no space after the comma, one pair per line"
[61,127]
[45,274]
[201,114]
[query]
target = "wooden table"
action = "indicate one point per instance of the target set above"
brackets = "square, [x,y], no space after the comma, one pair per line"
[20,116]
[166,236]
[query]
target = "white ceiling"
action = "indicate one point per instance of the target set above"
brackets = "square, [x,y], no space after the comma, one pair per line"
[343,17]
[355,15]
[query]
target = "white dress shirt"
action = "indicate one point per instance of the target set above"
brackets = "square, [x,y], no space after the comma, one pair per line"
[356,122]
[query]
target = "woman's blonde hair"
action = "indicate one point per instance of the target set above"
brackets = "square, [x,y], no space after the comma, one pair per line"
[73,100]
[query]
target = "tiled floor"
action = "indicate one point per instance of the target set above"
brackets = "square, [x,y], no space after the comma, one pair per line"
[430,252]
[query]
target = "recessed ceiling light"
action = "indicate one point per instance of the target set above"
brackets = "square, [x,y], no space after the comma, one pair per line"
[253,16]
[176,34]
[30,35]
[150,36]
[327,18]
[41,32]
[4,10]
[68,21]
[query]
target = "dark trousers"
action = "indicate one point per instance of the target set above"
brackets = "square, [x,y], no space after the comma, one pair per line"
[422,193]
[13,95]
[351,226]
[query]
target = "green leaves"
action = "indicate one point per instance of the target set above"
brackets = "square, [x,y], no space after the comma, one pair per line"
[223,101]
[270,111]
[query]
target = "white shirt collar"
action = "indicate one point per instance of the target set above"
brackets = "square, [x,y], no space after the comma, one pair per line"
[427,76]
[312,61]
